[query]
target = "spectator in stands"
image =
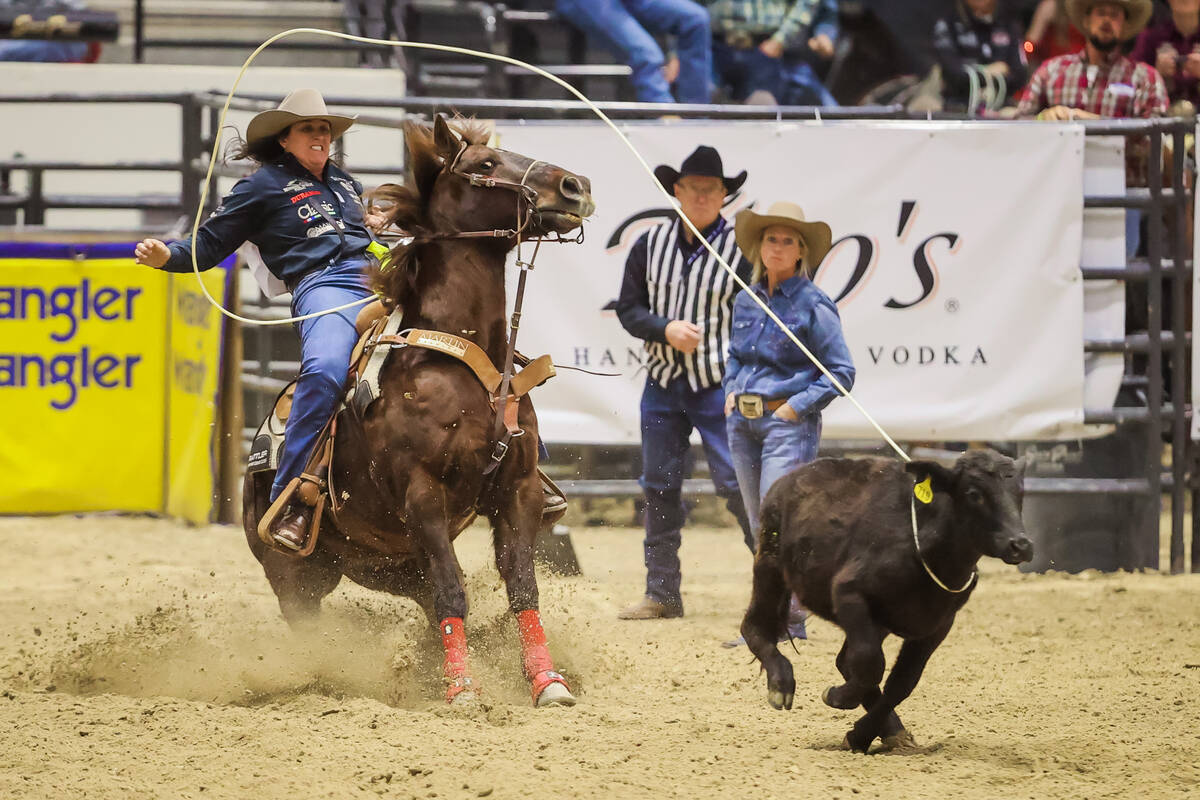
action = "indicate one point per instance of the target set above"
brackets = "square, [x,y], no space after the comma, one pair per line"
[773,392]
[1100,82]
[42,50]
[766,51]
[1172,46]
[1051,33]
[981,53]
[678,300]
[378,19]
[627,29]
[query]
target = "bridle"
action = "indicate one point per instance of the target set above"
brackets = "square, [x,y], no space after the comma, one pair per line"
[526,211]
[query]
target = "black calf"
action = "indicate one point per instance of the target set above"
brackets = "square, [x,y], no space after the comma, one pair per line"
[839,534]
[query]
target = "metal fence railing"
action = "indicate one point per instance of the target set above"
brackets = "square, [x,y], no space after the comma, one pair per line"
[1165,272]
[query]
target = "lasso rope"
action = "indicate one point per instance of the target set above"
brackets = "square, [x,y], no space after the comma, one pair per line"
[570,89]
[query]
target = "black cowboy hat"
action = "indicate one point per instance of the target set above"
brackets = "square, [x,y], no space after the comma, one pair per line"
[705,161]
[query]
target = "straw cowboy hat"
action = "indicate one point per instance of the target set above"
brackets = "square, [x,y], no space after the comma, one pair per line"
[748,229]
[1137,13]
[300,104]
[704,161]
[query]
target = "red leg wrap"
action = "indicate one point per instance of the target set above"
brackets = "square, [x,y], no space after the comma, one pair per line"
[539,668]
[454,668]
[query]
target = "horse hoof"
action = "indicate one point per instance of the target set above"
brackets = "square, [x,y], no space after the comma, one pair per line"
[899,741]
[464,699]
[779,700]
[829,699]
[555,694]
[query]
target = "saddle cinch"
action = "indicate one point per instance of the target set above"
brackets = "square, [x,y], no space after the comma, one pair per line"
[379,333]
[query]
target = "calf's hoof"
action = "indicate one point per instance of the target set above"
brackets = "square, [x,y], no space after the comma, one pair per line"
[555,694]
[780,700]
[835,697]
[856,742]
[901,740]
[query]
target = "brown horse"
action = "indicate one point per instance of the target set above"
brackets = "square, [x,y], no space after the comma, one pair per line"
[410,474]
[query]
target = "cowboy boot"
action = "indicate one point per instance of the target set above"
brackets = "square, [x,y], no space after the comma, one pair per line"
[553,502]
[650,608]
[291,529]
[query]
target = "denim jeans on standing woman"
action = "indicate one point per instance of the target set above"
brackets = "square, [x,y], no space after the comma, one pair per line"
[766,449]
[627,29]
[326,343]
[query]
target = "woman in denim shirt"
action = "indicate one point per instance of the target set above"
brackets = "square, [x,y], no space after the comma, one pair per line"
[773,392]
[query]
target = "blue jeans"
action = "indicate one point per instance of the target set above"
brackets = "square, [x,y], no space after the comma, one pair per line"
[1133,232]
[42,50]
[627,28]
[766,449]
[802,87]
[747,71]
[668,417]
[326,343]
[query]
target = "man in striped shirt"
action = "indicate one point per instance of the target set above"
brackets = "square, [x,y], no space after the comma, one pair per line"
[677,298]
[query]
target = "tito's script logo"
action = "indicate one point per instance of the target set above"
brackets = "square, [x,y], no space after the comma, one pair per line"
[63,309]
[911,255]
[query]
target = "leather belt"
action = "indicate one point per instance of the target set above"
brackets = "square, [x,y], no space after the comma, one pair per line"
[753,406]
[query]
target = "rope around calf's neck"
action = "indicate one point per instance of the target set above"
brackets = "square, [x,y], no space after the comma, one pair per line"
[912,504]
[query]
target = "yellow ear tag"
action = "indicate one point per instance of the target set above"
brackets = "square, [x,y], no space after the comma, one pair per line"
[923,491]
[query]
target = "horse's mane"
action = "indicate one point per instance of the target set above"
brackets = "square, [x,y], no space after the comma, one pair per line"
[407,205]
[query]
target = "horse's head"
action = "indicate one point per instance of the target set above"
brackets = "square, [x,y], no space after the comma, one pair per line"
[482,188]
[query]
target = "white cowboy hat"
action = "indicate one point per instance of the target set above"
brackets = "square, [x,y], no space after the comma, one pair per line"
[1137,13]
[748,228]
[300,104]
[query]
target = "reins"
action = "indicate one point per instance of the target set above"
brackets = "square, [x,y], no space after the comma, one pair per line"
[526,211]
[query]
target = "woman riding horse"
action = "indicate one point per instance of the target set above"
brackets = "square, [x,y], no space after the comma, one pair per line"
[305,216]
[447,439]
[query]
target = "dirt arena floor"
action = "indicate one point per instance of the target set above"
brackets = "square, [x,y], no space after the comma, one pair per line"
[145,659]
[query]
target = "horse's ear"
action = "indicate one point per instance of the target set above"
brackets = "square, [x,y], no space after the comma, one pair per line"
[445,140]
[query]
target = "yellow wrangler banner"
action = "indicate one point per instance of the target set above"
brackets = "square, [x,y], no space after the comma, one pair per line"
[108,383]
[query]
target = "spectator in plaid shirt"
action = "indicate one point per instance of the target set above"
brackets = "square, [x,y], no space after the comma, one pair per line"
[1100,82]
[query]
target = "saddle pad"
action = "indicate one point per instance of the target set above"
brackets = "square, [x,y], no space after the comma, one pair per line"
[366,387]
[267,446]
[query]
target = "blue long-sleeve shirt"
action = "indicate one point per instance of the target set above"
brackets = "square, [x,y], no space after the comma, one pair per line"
[762,360]
[276,209]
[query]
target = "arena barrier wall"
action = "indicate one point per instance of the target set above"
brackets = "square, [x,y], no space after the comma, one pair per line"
[959,288]
[109,377]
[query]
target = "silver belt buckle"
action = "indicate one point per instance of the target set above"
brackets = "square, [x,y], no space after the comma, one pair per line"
[750,405]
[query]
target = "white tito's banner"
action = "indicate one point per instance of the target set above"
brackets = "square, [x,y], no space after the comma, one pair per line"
[955,268]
